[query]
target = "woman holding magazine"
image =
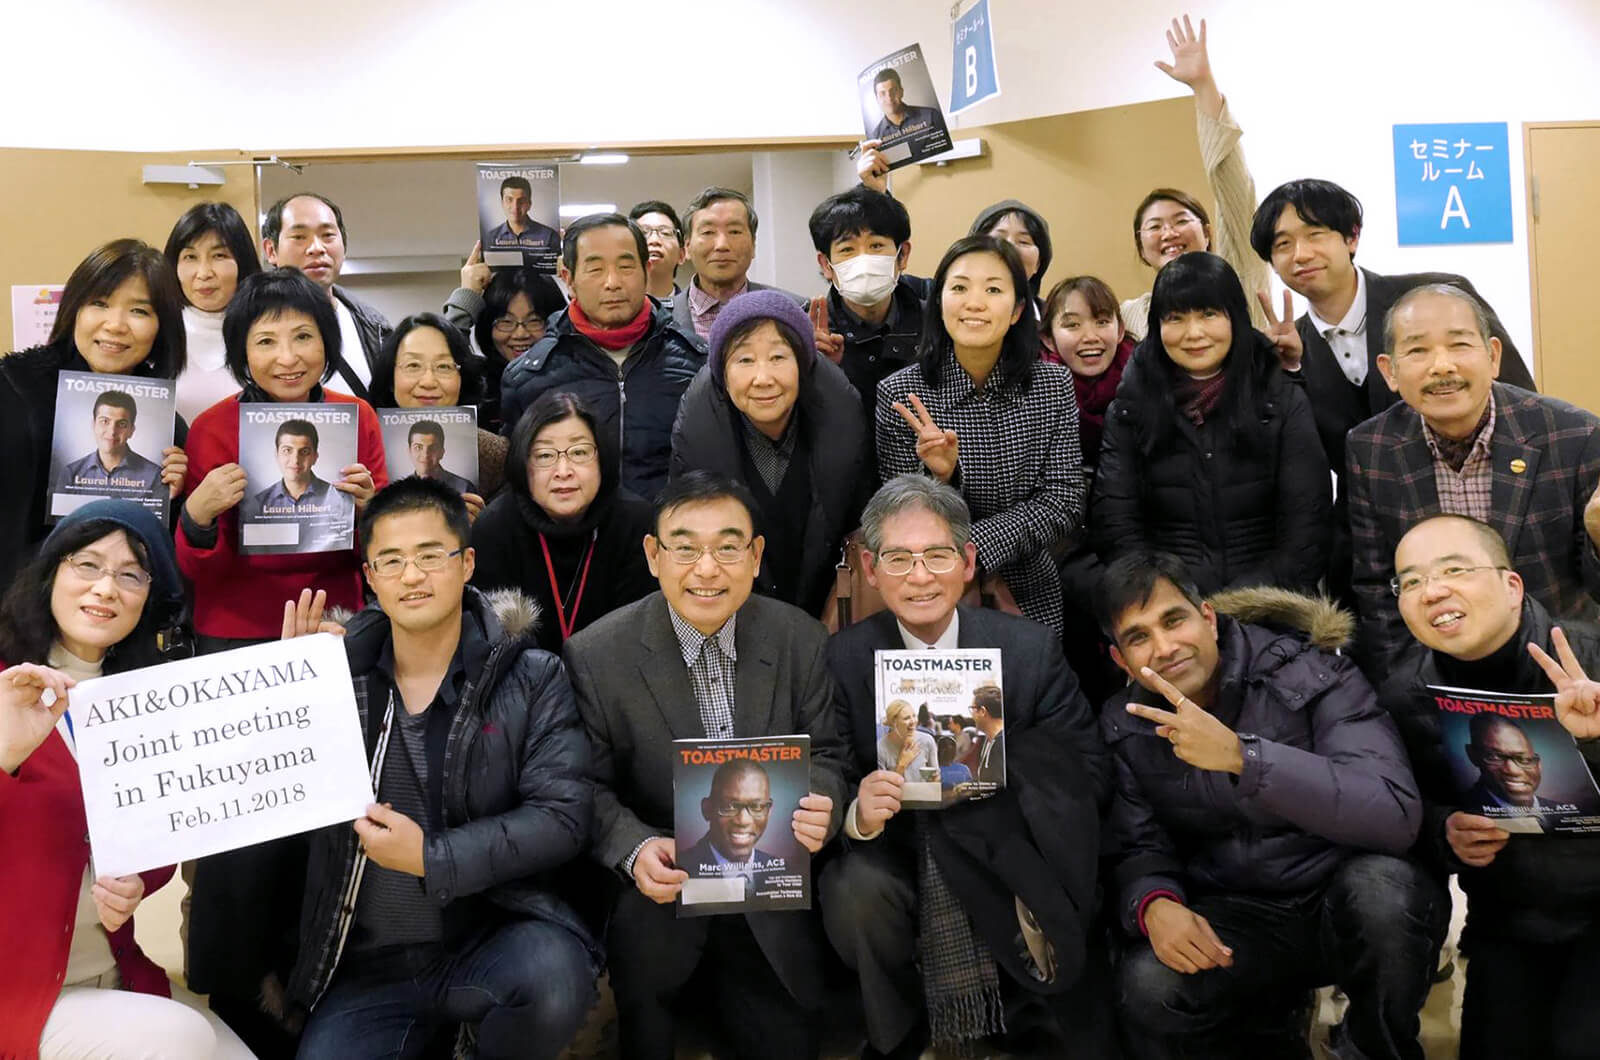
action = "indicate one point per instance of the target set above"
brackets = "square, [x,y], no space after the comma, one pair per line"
[101,597]
[120,314]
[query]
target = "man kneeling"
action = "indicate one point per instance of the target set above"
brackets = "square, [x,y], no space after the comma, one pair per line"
[438,907]
[1258,825]
[949,917]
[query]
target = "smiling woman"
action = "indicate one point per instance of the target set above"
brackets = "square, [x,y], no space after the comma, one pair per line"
[210,249]
[121,312]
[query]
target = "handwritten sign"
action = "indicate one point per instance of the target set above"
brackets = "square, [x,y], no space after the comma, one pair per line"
[1452,183]
[204,755]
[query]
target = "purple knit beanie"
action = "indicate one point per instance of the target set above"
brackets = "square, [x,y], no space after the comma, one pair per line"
[762,305]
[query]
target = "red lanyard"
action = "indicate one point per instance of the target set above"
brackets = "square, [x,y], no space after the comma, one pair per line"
[555,587]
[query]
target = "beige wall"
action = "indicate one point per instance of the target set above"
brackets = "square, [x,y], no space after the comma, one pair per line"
[1084,172]
[60,205]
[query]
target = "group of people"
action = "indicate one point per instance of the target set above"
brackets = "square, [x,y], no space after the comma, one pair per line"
[1221,550]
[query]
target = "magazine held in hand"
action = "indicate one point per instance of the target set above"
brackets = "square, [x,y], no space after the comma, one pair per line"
[1513,761]
[292,454]
[733,816]
[437,442]
[519,214]
[111,431]
[919,694]
[899,108]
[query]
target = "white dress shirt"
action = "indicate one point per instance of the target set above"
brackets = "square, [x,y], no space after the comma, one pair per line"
[1348,338]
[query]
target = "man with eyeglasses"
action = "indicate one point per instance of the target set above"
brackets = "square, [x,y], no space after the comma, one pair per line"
[613,347]
[736,811]
[1533,902]
[663,236]
[325,514]
[950,918]
[1458,442]
[443,905]
[704,658]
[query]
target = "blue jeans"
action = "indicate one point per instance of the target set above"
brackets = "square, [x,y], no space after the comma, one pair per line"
[527,986]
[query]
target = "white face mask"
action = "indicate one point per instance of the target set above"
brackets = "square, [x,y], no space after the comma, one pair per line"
[866,279]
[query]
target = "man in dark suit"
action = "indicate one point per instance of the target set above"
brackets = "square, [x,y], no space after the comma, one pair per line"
[1307,230]
[1460,443]
[703,658]
[737,810]
[924,912]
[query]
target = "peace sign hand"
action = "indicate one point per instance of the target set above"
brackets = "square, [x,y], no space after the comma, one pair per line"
[1577,697]
[1284,335]
[1197,737]
[936,448]
[829,343]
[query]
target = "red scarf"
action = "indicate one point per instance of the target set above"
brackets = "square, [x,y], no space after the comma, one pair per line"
[1198,398]
[1094,394]
[611,338]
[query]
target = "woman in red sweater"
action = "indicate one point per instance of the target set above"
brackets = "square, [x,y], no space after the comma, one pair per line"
[98,599]
[282,343]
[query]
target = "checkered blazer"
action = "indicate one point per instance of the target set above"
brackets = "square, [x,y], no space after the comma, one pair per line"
[1019,469]
[1545,461]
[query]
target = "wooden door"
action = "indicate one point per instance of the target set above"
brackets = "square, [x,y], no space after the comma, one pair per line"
[1562,160]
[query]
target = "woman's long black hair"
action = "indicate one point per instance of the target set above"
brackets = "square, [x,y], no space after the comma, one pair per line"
[1202,280]
[28,625]
[1019,351]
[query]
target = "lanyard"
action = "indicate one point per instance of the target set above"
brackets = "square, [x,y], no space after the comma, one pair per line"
[567,625]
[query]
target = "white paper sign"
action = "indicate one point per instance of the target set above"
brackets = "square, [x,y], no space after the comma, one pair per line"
[33,313]
[204,755]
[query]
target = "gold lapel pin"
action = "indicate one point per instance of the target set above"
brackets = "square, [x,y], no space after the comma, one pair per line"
[1518,466]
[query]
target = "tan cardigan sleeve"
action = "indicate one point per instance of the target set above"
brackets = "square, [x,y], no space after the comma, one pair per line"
[1233,191]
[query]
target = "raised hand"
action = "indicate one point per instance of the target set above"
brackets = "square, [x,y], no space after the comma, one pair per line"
[936,448]
[1197,737]
[303,617]
[32,699]
[475,275]
[1577,697]
[829,343]
[872,166]
[1190,63]
[1281,330]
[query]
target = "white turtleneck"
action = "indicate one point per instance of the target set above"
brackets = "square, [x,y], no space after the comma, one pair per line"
[206,380]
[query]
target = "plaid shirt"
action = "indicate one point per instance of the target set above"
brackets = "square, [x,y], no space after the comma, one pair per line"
[711,672]
[1020,469]
[1465,492]
[771,458]
[1543,466]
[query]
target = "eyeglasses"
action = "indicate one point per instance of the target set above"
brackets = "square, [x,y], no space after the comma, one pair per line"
[1183,220]
[660,232]
[1500,758]
[938,560]
[582,453]
[128,579]
[508,326]
[416,369]
[758,808]
[392,566]
[727,555]
[1407,584]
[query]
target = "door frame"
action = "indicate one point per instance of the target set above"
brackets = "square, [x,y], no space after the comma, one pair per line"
[1530,193]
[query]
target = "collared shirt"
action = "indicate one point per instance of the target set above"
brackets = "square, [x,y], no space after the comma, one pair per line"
[704,307]
[535,235]
[1468,491]
[90,475]
[711,672]
[1348,338]
[770,457]
[950,638]
[276,500]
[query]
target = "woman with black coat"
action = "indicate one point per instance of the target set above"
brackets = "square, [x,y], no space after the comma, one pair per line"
[563,531]
[768,412]
[1210,452]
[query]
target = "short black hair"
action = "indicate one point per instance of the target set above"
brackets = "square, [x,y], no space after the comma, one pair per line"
[117,399]
[1129,581]
[519,183]
[553,406]
[1491,539]
[860,209]
[589,222]
[657,206]
[713,195]
[272,222]
[297,429]
[888,73]
[1318,202]
[1019,350]
[1480,725]
[413,494]
[270,294]
[432,428]
[541,292]
[702,487]
[225,221]
[470,367]
[99,275]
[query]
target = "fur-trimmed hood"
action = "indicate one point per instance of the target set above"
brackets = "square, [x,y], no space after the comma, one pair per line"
[1327,625]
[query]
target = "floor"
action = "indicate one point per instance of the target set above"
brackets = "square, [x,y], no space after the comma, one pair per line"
[157,929]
